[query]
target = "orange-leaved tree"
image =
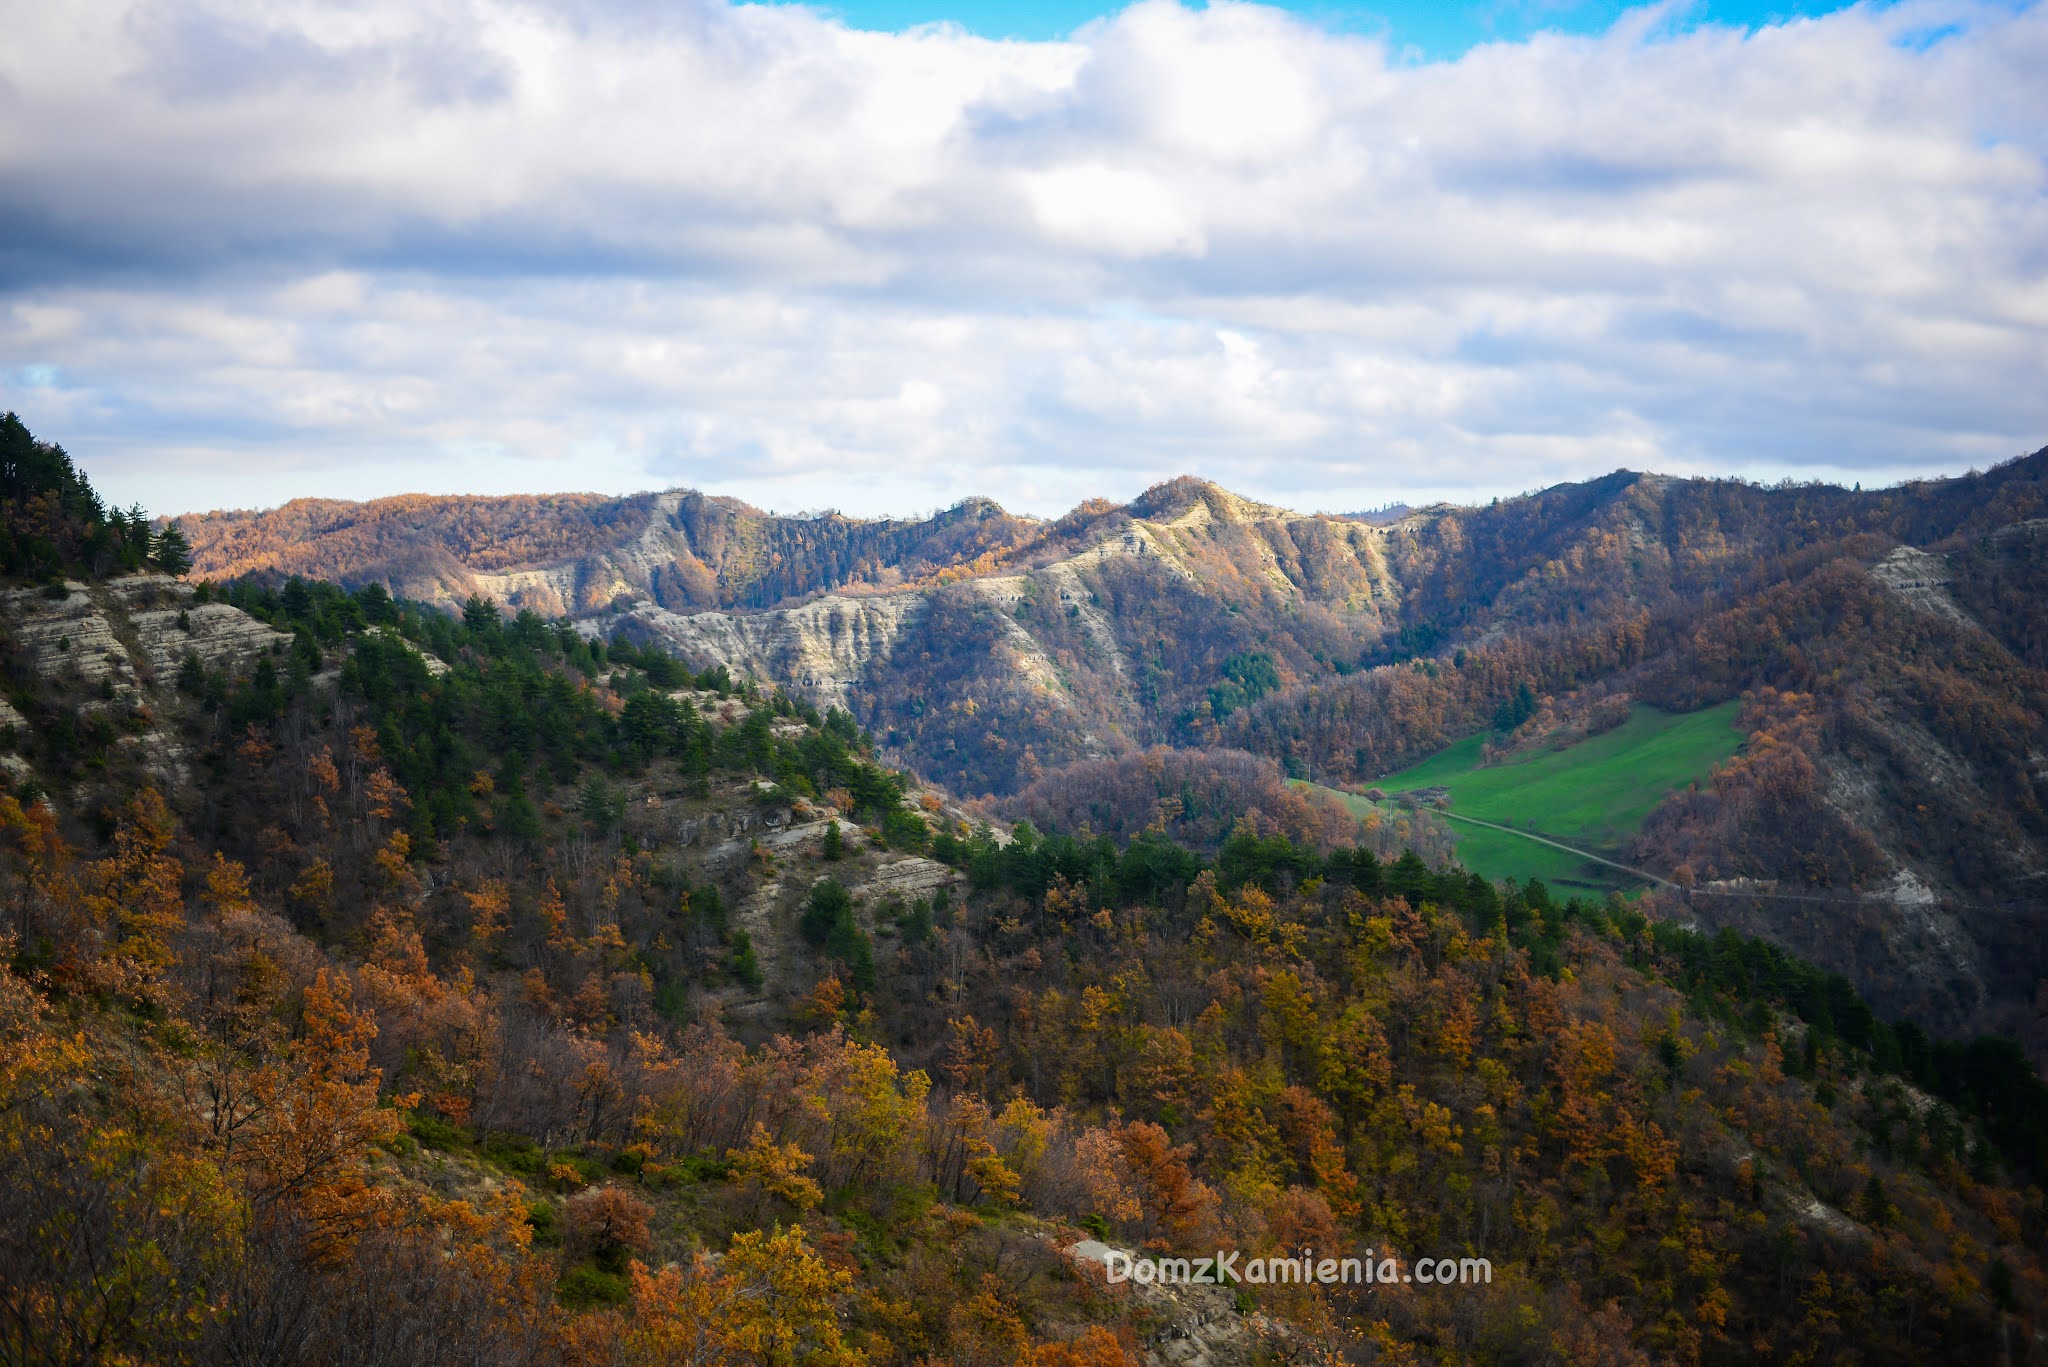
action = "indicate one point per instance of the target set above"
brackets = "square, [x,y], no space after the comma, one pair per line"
[308,1157]
[772,1301]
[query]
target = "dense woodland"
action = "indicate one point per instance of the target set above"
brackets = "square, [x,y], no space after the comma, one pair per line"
[53,523]
[1199,798]
[418,1018]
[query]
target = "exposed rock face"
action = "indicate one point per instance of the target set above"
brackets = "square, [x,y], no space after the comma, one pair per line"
[68,639]
[1923,580]
[223,637]
[1199,1325]
[907,880]
[819,650]
[118,643]
[592,582]
[1056,640]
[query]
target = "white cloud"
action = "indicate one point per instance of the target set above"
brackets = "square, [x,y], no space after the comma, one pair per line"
[248,251]
[1115,212]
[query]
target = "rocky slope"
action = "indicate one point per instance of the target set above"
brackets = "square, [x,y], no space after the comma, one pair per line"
[1113,621]
[1891,638]
[110,651]
[579,553]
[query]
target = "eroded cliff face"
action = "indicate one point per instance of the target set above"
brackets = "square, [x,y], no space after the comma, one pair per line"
[121,636]
[820,650]
[980,645]
[113,649]
[657,564]
[1100,635]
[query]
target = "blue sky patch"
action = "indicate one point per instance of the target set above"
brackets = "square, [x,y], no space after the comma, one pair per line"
[1432,32]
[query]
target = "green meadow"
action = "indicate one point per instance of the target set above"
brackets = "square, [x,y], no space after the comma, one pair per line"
[1593,795]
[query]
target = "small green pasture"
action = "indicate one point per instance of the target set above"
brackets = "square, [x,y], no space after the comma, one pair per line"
[1594,794]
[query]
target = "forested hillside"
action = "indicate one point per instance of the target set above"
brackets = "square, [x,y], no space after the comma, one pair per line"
[383,985]
[52,521]
[1884,647]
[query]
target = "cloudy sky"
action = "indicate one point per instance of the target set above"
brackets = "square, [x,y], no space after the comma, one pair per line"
[1330,256]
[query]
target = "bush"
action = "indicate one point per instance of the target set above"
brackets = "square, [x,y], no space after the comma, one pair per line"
[436,1132]
[608,1225]
[584,1286]
[546,1224]
[515,1155]
[743,965]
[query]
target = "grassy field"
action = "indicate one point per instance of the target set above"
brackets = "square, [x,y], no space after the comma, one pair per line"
[1593,795]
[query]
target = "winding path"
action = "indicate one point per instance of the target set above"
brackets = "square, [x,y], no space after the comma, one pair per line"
[1554,844]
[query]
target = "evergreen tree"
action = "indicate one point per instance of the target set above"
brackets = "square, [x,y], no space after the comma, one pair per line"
[480,615]
[171,552]
[743,965]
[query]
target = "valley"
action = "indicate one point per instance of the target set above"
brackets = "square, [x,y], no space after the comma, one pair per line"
[380,974]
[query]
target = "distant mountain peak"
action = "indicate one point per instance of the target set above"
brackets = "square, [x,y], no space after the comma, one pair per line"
[980,508]
[1181,495]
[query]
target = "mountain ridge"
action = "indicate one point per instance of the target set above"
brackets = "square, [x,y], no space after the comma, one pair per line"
[1886,643]
[377,979]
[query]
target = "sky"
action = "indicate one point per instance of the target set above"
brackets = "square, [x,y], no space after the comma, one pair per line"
[1414,30]
[885,255]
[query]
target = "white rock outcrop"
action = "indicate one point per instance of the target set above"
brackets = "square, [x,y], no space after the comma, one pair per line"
[120,642]
[819,649]
[67,638]
[224,638]
[907,880]
[1922,579]
[1201,1324]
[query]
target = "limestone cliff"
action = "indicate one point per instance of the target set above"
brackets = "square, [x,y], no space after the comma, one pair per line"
[1066,638]
[114,648]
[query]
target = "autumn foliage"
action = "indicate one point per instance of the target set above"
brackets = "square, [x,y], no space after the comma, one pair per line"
[467,1014]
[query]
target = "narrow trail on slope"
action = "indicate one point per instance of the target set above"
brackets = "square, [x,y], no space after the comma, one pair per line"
[1746,894]
[1556,845]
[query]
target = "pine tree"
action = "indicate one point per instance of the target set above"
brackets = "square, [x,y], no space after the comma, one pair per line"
[171,552]
[745,967]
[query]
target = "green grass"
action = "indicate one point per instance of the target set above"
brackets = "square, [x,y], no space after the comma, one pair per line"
[1594,795]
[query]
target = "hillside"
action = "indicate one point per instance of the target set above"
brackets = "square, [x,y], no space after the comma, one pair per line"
[580,553]
[381,984]
[1885,647]
[1587,792]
